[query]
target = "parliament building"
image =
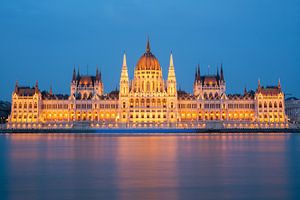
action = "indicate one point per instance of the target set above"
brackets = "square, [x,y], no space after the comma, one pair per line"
[148,101]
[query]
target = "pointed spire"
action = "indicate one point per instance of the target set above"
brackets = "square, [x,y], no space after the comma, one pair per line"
[124,71]
[171,60]
[50,91]
[100,76]
[222,75]
[279,84]
[74,74]
[245,90]
[36,87]
[16,86]
[148,46]
[198,73]
[171,74]
[97,75]
[78,74]
[258,84]
[124,60]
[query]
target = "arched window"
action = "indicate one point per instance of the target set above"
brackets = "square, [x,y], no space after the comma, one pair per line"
[158,102]
[265,105]
[20,105]
[148,86]
[172,105]
[35,105]
[275,105]
[260,105]
[15,105]
[153,102]
[30,105]
[164,103]
[270,105]
[136,102]
[280,105]
[131,103]
[142,102]
[25,105]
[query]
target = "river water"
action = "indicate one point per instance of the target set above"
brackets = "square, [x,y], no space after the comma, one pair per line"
[220,166]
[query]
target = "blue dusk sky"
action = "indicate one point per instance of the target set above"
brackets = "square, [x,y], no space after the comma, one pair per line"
[43,39]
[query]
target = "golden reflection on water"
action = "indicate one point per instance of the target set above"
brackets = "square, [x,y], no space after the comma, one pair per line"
[147,165]
[156,167]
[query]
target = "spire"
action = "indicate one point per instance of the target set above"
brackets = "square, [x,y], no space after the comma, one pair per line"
[78,74]
[74,74]
[218,72]
[124,60]
[258,84]
[148,46]
[97,75]
[50,91]
[171,60]
[36,87]
[16,86]
[171,74]
[198,73]
[245,90]
[222,75]
[124,72]
[279,84]
[100,76]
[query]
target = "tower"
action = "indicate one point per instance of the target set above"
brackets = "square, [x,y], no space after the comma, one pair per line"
[98,83]
[124,80]
[171,87]
[124,92]
[197,82]
[172,93]
[222,81]
[74,82]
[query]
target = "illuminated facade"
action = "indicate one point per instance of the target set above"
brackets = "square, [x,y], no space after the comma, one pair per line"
[148,101]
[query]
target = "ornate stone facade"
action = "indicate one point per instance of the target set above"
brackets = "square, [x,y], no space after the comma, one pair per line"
[148,101]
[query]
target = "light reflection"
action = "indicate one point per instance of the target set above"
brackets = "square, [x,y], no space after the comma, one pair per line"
[157,167]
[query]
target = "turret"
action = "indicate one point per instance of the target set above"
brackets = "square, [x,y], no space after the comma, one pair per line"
[258,85]
[36,87]
[197,83]
[97,75]
[172,90]
[50,90]
[78,74]
[199,75]
[16,87]
[99,83]
[124,80]
[245,90]
[222,74]
[74,75]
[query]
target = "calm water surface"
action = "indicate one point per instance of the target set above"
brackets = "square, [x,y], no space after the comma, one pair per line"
[58,166]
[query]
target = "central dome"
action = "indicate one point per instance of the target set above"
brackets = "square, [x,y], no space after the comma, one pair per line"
[148,61]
